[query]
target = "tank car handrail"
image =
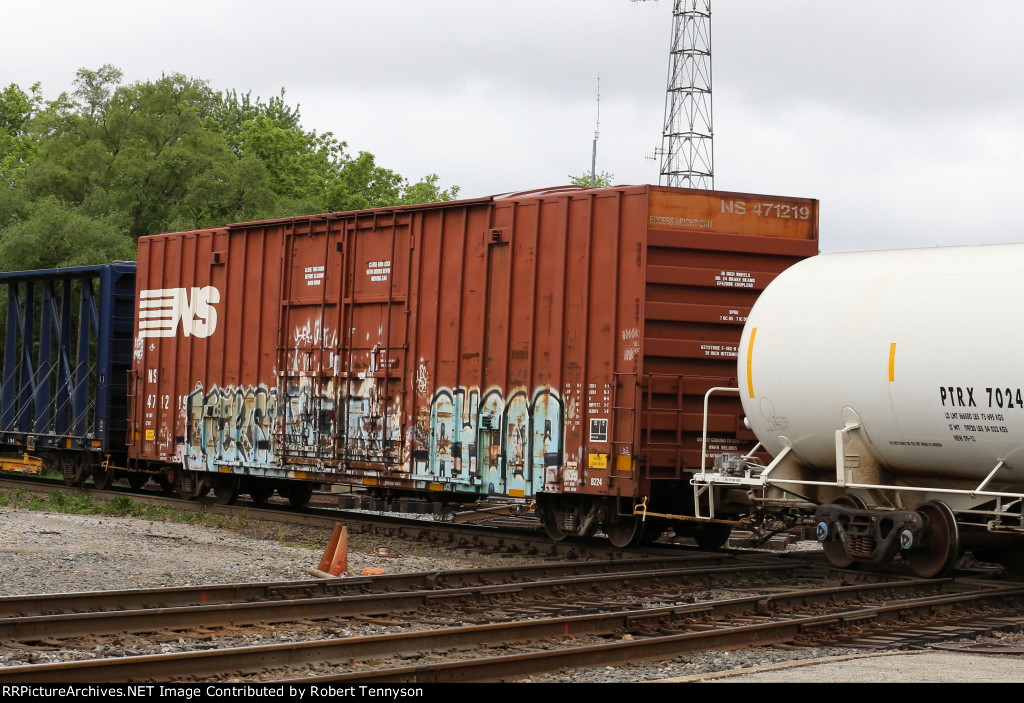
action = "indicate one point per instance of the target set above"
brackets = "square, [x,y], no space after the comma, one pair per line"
[704,429]
[1000,464]
[765,480]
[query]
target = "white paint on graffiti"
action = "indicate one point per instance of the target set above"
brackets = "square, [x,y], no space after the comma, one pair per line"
[422,379]
[314,333]
[631,348]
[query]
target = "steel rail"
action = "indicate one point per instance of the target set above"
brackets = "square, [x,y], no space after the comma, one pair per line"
[166,597]
[712,624]
[38,627]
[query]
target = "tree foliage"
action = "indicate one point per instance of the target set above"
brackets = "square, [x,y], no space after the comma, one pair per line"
[84,175]
[601,180]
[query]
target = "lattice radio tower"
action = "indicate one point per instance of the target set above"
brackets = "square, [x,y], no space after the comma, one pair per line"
[687,154]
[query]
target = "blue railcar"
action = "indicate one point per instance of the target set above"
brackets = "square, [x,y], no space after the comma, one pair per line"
[66,356]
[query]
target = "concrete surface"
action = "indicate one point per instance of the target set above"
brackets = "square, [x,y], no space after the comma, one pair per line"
[897,667]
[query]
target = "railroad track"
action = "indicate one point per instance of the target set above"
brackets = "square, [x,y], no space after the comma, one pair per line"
[502,536]
[523,539]
[572,618]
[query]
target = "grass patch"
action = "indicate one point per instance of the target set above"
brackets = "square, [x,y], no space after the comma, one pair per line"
[125,506]
[118,506]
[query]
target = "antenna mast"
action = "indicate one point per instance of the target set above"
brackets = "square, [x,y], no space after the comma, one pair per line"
[597,133]
[687,155]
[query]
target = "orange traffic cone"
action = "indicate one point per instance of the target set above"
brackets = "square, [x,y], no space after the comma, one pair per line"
[332,547]
[340,564]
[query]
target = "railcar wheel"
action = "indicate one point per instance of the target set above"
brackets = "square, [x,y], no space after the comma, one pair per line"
[941,543]
[627,532]
[188,485]
[299,494]
[260,492]
[103,477]
[553,526]
[225,490]
[166,483]
[712,535]
[835,550]
[73,470]
[137,480]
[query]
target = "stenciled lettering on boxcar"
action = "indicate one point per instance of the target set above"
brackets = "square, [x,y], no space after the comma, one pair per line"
[507,443]
[230,425]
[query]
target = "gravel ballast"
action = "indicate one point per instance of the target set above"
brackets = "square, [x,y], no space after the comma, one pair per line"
[52,553]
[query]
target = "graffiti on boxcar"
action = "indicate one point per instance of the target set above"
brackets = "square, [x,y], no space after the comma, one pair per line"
[504,441]
[231,424]
[313,342]
[338,419]
[310,421]
[373,421]
[422,379]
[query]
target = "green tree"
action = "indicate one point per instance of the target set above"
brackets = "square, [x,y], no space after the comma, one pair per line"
[602,180]
[86,173]
[17,144]
[55,234]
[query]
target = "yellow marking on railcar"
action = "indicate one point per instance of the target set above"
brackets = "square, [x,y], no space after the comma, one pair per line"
[28,464]
[367,481]
[624,463]
[750,362]
[516,493]
[892,362]
[597,461]
[435,487]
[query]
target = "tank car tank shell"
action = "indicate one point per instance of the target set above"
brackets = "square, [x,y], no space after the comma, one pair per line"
[922,346]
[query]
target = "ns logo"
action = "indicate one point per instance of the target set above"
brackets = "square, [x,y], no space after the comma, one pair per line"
[162,310]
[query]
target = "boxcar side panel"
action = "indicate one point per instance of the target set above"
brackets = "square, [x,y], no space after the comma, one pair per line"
[204,384]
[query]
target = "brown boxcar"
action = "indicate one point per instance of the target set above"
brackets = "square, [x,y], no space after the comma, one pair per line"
[553,344]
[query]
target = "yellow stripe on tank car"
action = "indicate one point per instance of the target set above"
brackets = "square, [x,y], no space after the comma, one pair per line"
[750,362]
[892,362]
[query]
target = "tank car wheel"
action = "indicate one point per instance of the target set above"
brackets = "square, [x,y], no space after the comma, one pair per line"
[836,551]
[103,477]
[712,535]
[298,494]
[941,544]
[627,532]
[225,489]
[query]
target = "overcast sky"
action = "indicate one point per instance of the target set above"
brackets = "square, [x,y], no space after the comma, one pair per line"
[905,118]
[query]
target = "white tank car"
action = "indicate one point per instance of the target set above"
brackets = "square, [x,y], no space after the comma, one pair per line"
[888,386]
[926,346]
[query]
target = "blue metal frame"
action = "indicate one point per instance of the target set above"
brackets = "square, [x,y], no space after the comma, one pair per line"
[66,357]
